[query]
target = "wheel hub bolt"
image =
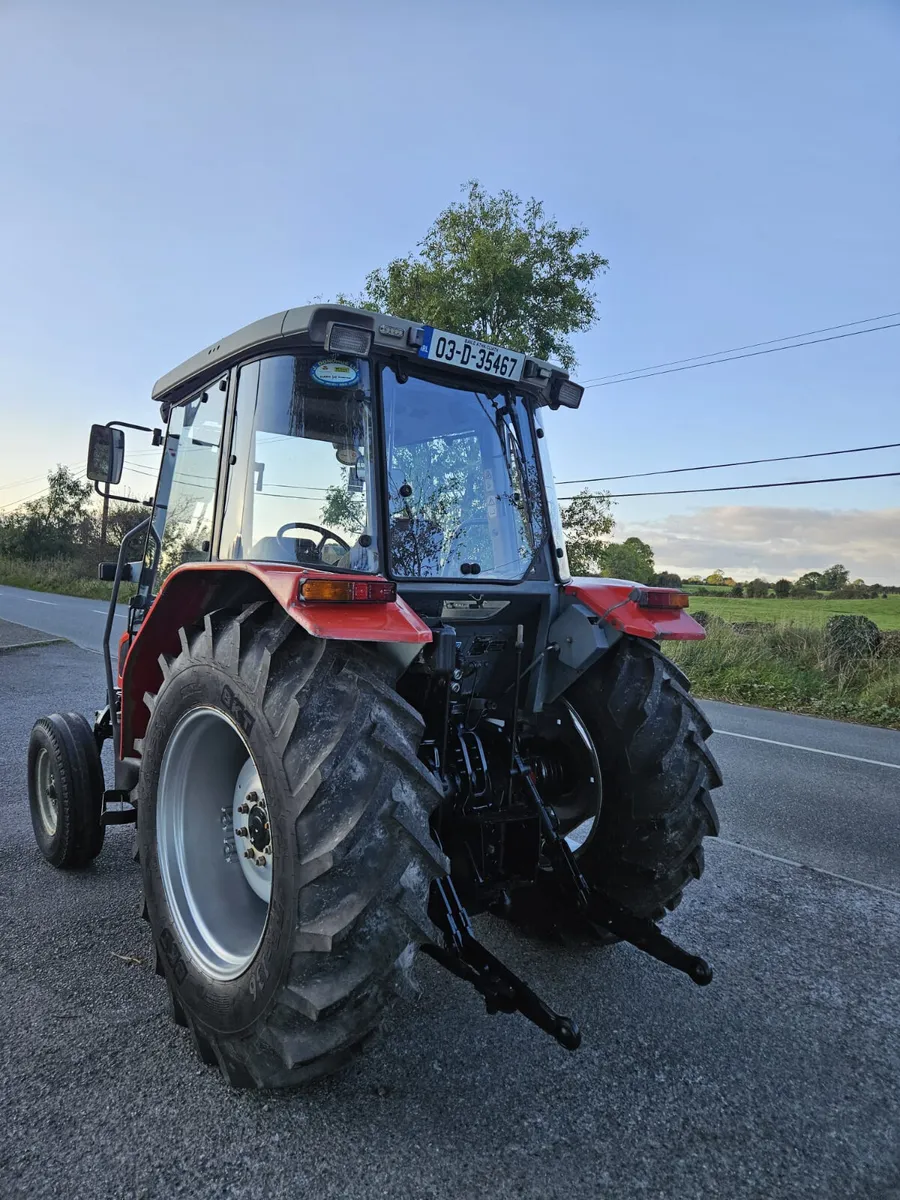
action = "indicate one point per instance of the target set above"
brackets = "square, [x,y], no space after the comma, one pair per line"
[248,854]
[252,798]
[242,832]
[261,861]
[243,808]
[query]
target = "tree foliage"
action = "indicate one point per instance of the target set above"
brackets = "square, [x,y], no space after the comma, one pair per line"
[666,579]
[835,577]
[53,524]
[783,588]
[758,589]
[497,268]
[631,559]
[587,521]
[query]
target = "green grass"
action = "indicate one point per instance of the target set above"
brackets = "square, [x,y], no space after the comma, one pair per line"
[786,667]
[59,575]
[810,614]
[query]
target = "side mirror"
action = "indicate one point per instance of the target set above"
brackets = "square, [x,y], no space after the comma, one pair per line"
[106,454]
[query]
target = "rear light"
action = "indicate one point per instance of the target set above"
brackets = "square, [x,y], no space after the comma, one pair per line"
[662,598]
[348,591]
[348,339]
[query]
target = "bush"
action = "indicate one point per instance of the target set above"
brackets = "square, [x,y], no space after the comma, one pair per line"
[890,644]
[851,636]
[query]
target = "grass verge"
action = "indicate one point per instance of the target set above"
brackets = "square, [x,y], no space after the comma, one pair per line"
[786,667]
[59,575]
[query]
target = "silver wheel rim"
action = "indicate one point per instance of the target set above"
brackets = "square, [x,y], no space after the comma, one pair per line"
[45,788]
[211,819]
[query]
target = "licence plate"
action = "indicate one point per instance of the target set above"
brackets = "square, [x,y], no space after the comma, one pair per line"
[457,351]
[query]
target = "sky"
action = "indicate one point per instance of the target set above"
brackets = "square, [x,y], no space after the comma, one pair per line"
[171,172]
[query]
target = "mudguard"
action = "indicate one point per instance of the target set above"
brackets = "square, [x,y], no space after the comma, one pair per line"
[594,614]
[613,600]
[195,589]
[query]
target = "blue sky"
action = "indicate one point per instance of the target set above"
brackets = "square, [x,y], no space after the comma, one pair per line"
[169,172]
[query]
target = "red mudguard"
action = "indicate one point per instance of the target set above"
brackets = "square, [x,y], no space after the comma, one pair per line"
[195,589]
[610,599]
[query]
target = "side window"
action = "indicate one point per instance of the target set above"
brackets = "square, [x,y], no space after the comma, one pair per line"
[183,513]
[299,490]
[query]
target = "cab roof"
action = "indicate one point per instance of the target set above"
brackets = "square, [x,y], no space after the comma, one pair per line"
[308,327]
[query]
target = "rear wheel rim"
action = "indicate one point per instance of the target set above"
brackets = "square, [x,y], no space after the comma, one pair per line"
[45,790]
[217,879]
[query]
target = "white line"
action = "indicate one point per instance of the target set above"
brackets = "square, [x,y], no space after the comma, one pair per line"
[873,762]
[104,611]
[792,862]
[31,601]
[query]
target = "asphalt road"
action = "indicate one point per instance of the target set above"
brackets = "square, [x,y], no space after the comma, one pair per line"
[81,621]
[781,1079]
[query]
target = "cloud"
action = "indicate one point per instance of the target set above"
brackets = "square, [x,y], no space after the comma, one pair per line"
[746,541]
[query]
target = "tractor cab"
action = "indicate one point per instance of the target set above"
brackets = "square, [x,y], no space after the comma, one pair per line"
[350,443]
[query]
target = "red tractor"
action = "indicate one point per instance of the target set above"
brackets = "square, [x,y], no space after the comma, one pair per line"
[360,697]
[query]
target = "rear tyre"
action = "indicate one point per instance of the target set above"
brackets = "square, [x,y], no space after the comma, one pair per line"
[657,772]
[65,790]
[267,744]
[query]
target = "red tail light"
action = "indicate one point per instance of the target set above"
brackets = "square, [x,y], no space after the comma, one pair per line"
[348,591]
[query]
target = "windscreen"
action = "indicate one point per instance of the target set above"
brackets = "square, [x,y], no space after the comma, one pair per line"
[462,486]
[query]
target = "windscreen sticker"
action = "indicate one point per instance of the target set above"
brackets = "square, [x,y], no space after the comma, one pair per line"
[331,372]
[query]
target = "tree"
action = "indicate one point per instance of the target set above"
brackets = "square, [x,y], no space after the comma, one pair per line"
[631,559]
[738,590]
[55,524]
[495,268]
[587,521]
[717,579]
[810,582]
[783,588]
[835,577]
[758,589]
[666,579]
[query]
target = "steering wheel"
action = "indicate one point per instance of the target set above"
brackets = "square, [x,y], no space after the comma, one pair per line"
[326,536]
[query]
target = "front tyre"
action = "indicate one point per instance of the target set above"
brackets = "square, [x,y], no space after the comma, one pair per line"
[284,845]
[65,790]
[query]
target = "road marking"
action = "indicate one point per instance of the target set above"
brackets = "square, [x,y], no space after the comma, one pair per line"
[31,601]
[105,612]
[873,762]
[792,862]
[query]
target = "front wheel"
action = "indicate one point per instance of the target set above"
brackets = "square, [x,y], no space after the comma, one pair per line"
[65,789]
[284,844]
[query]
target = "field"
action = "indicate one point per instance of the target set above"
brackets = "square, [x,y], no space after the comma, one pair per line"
[811,614]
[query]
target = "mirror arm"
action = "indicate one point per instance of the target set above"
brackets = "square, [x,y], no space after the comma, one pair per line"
[157,433]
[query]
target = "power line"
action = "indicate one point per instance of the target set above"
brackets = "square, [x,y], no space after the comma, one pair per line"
[743,487]
[835,337]
[747,462]
[792,337]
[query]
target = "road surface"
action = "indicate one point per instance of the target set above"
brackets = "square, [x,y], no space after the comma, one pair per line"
[782,1079]
[81,621]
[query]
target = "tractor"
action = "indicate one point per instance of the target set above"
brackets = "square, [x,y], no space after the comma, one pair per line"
[360,699]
